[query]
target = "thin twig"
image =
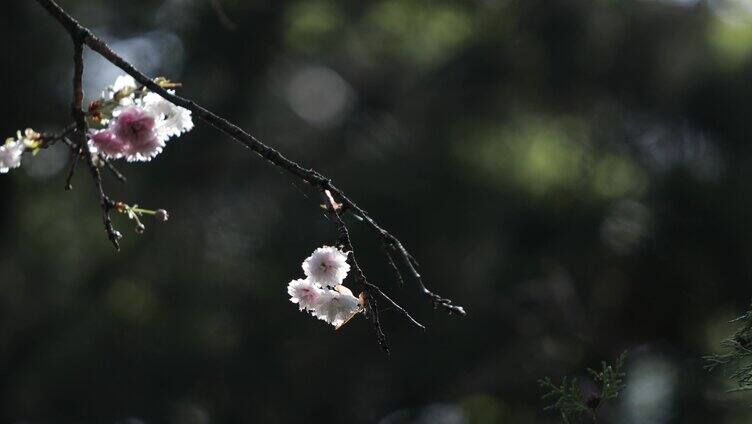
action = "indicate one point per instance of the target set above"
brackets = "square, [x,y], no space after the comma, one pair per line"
[79,117]
[77,111]
[397,306]
[106,204]
[74,164]
[49,140]
[360,277]
[372,314]
[438,301]
[113,170]
[394,266]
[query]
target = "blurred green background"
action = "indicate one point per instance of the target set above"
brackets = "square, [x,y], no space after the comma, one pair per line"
[575,173]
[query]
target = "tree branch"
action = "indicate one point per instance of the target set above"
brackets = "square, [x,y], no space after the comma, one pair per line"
[370,307]
[49,140]
[79,116]
[83,35]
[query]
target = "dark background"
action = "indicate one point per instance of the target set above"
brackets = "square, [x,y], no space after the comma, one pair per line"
[575,173]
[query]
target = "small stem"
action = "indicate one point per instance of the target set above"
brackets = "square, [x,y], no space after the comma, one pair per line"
[120,177]
[143,211]
[74,164]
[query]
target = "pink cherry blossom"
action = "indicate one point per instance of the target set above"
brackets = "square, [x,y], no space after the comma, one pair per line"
[305,293]
[135,128]
[108,144]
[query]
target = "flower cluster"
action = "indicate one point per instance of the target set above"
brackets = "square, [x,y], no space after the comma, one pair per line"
[133,123]
[126,121]
[134,213]
[321,293]
[12,149]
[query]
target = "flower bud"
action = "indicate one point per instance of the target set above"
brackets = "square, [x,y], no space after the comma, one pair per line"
[140,228]
[161,215]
